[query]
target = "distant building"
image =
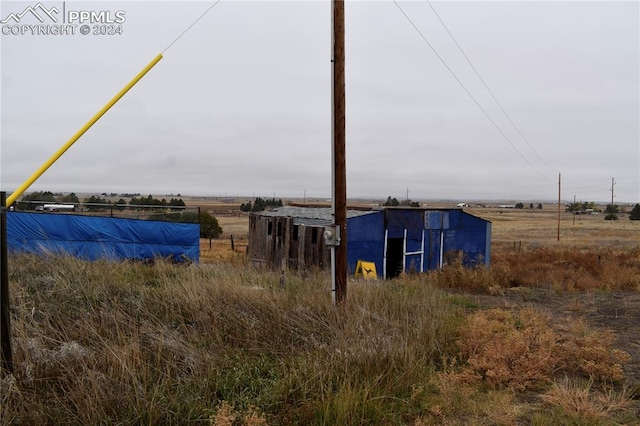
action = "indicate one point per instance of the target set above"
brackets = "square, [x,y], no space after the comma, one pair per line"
[57,207]
[396,239]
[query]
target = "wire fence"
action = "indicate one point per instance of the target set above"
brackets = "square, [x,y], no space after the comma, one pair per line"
[165,213]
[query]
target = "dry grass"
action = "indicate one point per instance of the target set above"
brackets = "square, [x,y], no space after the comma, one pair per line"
[521,351]
[130,343]
[539,228]
[220,251]
[238,226]
[222,344]
[578,400]
[570,269]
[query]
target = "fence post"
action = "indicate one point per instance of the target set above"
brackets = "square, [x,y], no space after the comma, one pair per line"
[5,327]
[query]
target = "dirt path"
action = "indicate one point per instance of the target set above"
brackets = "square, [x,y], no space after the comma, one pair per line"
[616,311]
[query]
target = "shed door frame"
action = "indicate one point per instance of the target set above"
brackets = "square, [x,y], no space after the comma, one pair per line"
[411,253]
[405,253]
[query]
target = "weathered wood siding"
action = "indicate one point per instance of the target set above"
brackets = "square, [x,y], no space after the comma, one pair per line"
[276,242]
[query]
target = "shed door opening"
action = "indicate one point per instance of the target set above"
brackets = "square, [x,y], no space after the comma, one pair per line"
[394,257]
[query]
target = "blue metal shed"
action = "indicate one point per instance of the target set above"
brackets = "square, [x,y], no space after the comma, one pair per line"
[420,240]
[397,240]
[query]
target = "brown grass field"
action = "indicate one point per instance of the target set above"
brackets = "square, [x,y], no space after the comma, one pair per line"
[522,230]
[510,228]
[548,335]
[517,231]
[537,228]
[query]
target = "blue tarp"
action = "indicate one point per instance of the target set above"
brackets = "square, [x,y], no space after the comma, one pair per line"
[95,238]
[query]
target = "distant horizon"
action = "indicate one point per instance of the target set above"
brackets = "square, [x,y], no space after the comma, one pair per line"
[326,199]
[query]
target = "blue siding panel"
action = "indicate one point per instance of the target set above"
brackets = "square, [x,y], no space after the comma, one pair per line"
[470,238]
[365,240]
[399,220]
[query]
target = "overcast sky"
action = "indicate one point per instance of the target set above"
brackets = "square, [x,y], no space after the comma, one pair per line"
[241,104]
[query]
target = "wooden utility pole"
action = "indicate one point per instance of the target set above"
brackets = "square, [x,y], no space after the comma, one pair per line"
[339,174]
[613,182]
[5,327]
[559,186]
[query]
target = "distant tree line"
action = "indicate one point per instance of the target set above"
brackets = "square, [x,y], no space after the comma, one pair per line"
[95,203]
[581,207]
[35,199]
[150,201]
[260,204]
[393,202]
[209,226]
[39,198]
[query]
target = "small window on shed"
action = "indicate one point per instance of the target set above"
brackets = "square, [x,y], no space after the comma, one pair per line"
[279,234]
[269,228]
[314,235]
[295,233]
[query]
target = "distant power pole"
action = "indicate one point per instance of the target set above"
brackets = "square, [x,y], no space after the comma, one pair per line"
[559,185]
[613,182]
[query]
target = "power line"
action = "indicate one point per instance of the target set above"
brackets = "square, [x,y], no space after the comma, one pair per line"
[192,24]
[487,87]
[467,90]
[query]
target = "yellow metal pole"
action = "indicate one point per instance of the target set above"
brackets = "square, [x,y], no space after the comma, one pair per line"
[12,198]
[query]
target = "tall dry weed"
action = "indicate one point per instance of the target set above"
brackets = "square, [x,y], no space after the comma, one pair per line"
[559,269]
[511,350]
[137,343]
[574,269]
[581,402]
[101,342]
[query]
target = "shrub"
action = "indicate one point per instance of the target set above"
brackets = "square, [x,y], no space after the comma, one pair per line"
[519,350]
[508,350]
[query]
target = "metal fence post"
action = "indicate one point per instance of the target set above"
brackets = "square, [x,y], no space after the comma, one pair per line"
[5,326]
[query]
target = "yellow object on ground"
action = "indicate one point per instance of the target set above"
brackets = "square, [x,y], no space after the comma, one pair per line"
[367,270]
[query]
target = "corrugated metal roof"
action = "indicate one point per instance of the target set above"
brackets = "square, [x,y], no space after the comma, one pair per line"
[321,216]
[311,222]
[310,216]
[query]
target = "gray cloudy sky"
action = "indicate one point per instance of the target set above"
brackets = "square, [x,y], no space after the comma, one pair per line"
[240,105]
